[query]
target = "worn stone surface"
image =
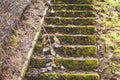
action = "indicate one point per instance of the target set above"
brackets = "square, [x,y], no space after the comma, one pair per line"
[72,7]
[70,21]
[69,63]
[70,29]
[71,13]
[67,51]
[65,76]
[73,2]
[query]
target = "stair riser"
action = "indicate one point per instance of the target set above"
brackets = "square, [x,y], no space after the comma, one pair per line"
[72,1]
[73,40]
[72,7]
[71,30]
[64,77]
[70,14]
[69,51]
[70,21]
[69,64]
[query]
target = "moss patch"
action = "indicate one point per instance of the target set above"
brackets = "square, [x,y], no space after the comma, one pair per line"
[72,7]
[75,40]
[86,65]
[65,77]
[81,51]
[69,64]
[34,62]
[72,21]
[71,13]
[72,1]
[71,30]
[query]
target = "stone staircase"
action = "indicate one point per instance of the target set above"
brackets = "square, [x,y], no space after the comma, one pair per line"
[72,23]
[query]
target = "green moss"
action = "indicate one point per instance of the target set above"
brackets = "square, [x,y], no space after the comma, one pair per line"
[38,49]
[75,40]
[14,40]
[72,1]
[80,51]
[71,13]
[34,62]
[71,30]
[86,65]
[72,7]
[72,21]
[69,64]
[65,77]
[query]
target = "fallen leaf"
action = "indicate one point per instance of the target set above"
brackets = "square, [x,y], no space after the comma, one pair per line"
[56,40]
[46,49]
[53,52]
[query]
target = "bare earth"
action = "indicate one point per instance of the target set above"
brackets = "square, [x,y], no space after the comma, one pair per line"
[14,56]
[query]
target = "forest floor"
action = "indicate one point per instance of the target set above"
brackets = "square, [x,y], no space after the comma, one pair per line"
[20,42]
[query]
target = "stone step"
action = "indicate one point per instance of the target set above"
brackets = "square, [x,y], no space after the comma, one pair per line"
[70,21]
[69,51]
[70,13]
[85,7]
[70,29]
[72,1]
[72,39]
[70,64]
[63,76]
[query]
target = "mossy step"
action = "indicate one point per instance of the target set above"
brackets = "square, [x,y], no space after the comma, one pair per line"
[70,29]
[70,64]
[70,13]
[70,21]
[69,51]
[59,76]
[72,1]
[72,39]
[85,7]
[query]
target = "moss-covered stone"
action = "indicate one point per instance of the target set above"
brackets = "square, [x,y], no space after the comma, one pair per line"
[68,63]
[34,62]
[70,21]
[74,40]
[64,77]
[71,30]
[72,7]
[72,1]
[86,65]
[71,13]
[69,51]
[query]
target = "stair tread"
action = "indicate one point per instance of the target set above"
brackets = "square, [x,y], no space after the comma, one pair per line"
[71,13]
[38,71]
[69,51]
[62,76]
[71,26]
[72,7]
[71,17]
[70,21]
[73,45]
[71,39]
[74,35]
[72,2]
[66,58]
[50,57]
[70,64]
